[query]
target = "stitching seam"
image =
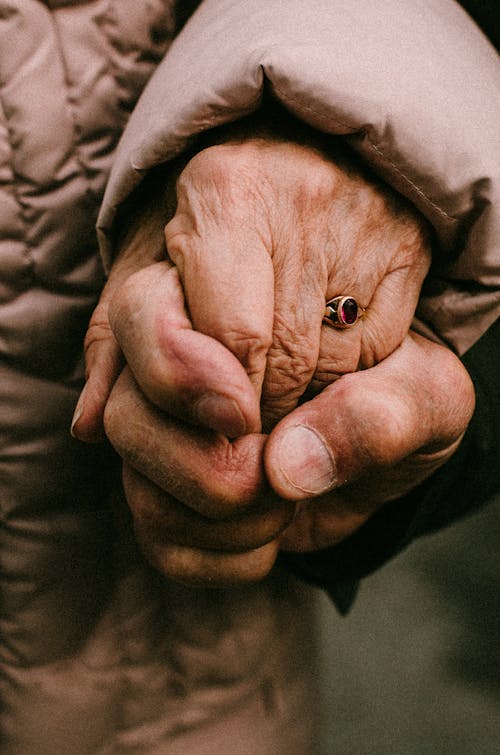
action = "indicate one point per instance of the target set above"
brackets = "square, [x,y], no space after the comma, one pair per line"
[374,147]
[28,249]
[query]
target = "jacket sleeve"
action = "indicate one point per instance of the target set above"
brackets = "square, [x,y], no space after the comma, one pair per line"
[413,85]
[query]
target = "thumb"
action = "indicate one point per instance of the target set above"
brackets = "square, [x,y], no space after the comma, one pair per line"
[184,373]
[412,407]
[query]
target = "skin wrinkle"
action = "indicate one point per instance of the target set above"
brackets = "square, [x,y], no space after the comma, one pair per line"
[293,355]
[291,359]
[250,348]
[161,515]
[291,363]
[234,189]
[328,371]
[290,379]
[372,204]
[236,482]
[166,356]
[98,332]
[369,244]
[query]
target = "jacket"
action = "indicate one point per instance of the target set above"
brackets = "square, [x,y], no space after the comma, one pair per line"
[98,653]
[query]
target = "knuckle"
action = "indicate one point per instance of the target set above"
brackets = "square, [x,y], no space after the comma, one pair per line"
[418,248]
[145,500]
[380,430]
[227,168]
[148,521]
[270,524]
[381,219]
[178,238]
[126,299]
[238,534]
[99,329]
[331,367]
[291,359]
[287,373]
[257,563]
[388,438]
[249,346]
[158,375]
[237,478]
[453,396]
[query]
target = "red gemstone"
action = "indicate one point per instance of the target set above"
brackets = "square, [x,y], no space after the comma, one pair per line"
[348,311]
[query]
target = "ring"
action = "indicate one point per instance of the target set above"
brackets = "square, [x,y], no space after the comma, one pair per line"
[342,312]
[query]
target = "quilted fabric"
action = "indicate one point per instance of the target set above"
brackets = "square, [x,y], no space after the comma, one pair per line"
[97,653]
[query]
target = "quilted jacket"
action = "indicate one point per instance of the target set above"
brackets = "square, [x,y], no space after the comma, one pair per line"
[99,654]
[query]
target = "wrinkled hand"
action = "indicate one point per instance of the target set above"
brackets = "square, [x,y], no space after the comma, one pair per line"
[264,233]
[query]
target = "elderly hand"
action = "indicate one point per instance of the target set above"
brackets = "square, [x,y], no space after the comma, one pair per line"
[264,233]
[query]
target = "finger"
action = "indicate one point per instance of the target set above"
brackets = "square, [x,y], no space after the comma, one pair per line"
[384,320]
[160,518]
[216,240]
[182,371]
[142,243]
[203,469]
[419,399]
[326,520]
[103,360]
[198,567]
[308,355]
[397,253]
[223,242]
[294,352]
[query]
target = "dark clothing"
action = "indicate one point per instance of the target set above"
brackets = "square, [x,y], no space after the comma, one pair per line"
[469,480]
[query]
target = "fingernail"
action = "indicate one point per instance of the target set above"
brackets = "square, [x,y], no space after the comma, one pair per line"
[305,461]
[78,412]
[221,414]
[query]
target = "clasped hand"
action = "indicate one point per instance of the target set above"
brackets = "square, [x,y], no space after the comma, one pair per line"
[245,424]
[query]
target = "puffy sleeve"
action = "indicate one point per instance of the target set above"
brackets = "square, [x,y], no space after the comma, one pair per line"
[413,86]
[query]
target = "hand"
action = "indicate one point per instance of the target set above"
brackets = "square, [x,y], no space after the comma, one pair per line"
[368,439]
[236,494]
[265,232]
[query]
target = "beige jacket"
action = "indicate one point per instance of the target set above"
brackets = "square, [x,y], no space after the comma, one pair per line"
[98,654]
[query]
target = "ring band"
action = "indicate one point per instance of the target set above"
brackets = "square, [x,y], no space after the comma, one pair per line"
[342,312]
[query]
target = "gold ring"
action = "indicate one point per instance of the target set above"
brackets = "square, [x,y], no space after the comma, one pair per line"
[342,312]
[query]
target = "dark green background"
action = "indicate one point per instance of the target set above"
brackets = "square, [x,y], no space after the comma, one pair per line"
[414,669]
